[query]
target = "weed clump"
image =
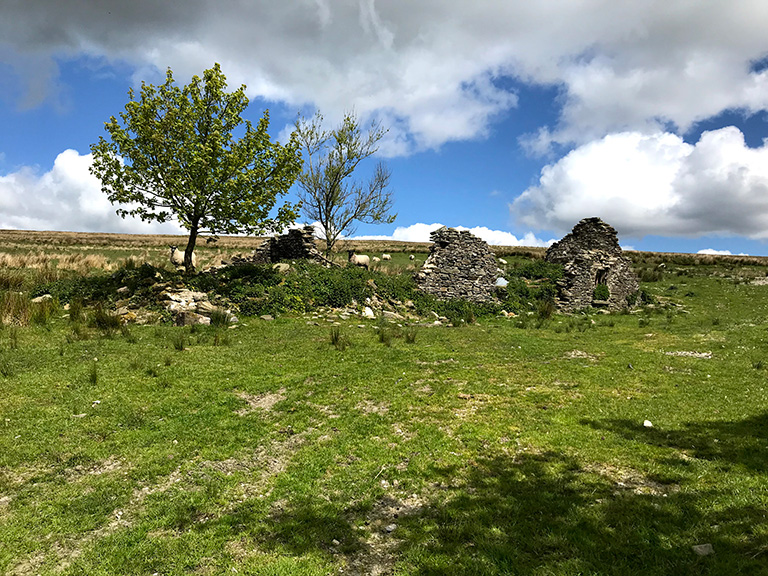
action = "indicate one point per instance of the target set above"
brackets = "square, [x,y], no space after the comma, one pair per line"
[339,340]
[104,320]
[220,318]
[178,340]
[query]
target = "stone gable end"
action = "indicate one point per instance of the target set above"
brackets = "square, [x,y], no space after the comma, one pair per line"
[590,255]
[460,266]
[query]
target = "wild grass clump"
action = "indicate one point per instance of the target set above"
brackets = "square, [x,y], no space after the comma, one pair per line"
[11,279]
[409,334]
[93,374]
[545,309]
[339,340]
[178,340]
[385,332]
[7,368]
[15,309]
[41,313]
[104,320]
[220,318]
[76,311]
[221,338]
[77,333]
[126,333]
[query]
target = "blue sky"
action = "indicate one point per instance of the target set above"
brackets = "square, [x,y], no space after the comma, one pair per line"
[512,119]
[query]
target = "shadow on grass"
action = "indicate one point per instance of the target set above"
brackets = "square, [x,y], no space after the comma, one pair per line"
[741,442]
[537,514]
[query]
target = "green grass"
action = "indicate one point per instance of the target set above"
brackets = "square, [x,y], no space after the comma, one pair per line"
[496,447]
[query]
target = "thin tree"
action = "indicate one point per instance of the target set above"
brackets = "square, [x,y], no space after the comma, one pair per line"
[328,192]
[174,155]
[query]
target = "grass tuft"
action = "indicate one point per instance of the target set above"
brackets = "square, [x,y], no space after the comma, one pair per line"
[220,318]
[178,340]
[104,320]
[339,340]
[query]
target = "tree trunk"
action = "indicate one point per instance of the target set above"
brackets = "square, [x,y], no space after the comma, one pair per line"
[189,267]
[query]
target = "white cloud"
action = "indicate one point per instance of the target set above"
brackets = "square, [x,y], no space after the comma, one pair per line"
[655,184]
[420,233]
[430,68]
[67,197]
[714,252]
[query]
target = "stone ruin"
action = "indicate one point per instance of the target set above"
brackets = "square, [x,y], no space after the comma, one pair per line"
[297,244]
[591,256]
[459,266]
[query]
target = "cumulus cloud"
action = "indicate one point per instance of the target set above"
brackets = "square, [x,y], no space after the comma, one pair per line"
[419,232]
[713,252]
[655,184]
[431,69]
[67,197]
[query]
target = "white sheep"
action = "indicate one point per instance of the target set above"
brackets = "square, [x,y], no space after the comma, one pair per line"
[375,259]
[386,257]
[412,257]
[177,257]
[502,261]
[359,259]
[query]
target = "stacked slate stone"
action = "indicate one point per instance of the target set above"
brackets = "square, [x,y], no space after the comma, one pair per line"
[297,244]
[459,266]
[591,256]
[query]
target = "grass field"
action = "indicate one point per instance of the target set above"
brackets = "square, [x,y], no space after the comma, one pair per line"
[507,446]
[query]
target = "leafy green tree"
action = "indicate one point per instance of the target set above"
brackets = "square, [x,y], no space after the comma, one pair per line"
[328,193]
[174,155]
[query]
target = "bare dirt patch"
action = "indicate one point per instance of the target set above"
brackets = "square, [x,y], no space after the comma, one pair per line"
[581,355]
[378,552]
[255,402]
[690,354]
[369,407]
[626,479]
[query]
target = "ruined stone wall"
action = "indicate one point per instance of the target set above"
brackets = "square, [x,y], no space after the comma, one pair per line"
[297,244]
[591,255]
[459,266]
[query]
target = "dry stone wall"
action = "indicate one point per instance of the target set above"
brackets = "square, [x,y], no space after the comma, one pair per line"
[297,244]
[459,266]
[590,256]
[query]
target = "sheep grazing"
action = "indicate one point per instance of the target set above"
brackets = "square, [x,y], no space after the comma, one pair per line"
[375,259]
[502,261]
[359,259]
[386,257]
[177,257]
[412,257]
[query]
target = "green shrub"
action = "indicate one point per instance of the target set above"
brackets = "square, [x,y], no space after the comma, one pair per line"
[537,270]
[601,292]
